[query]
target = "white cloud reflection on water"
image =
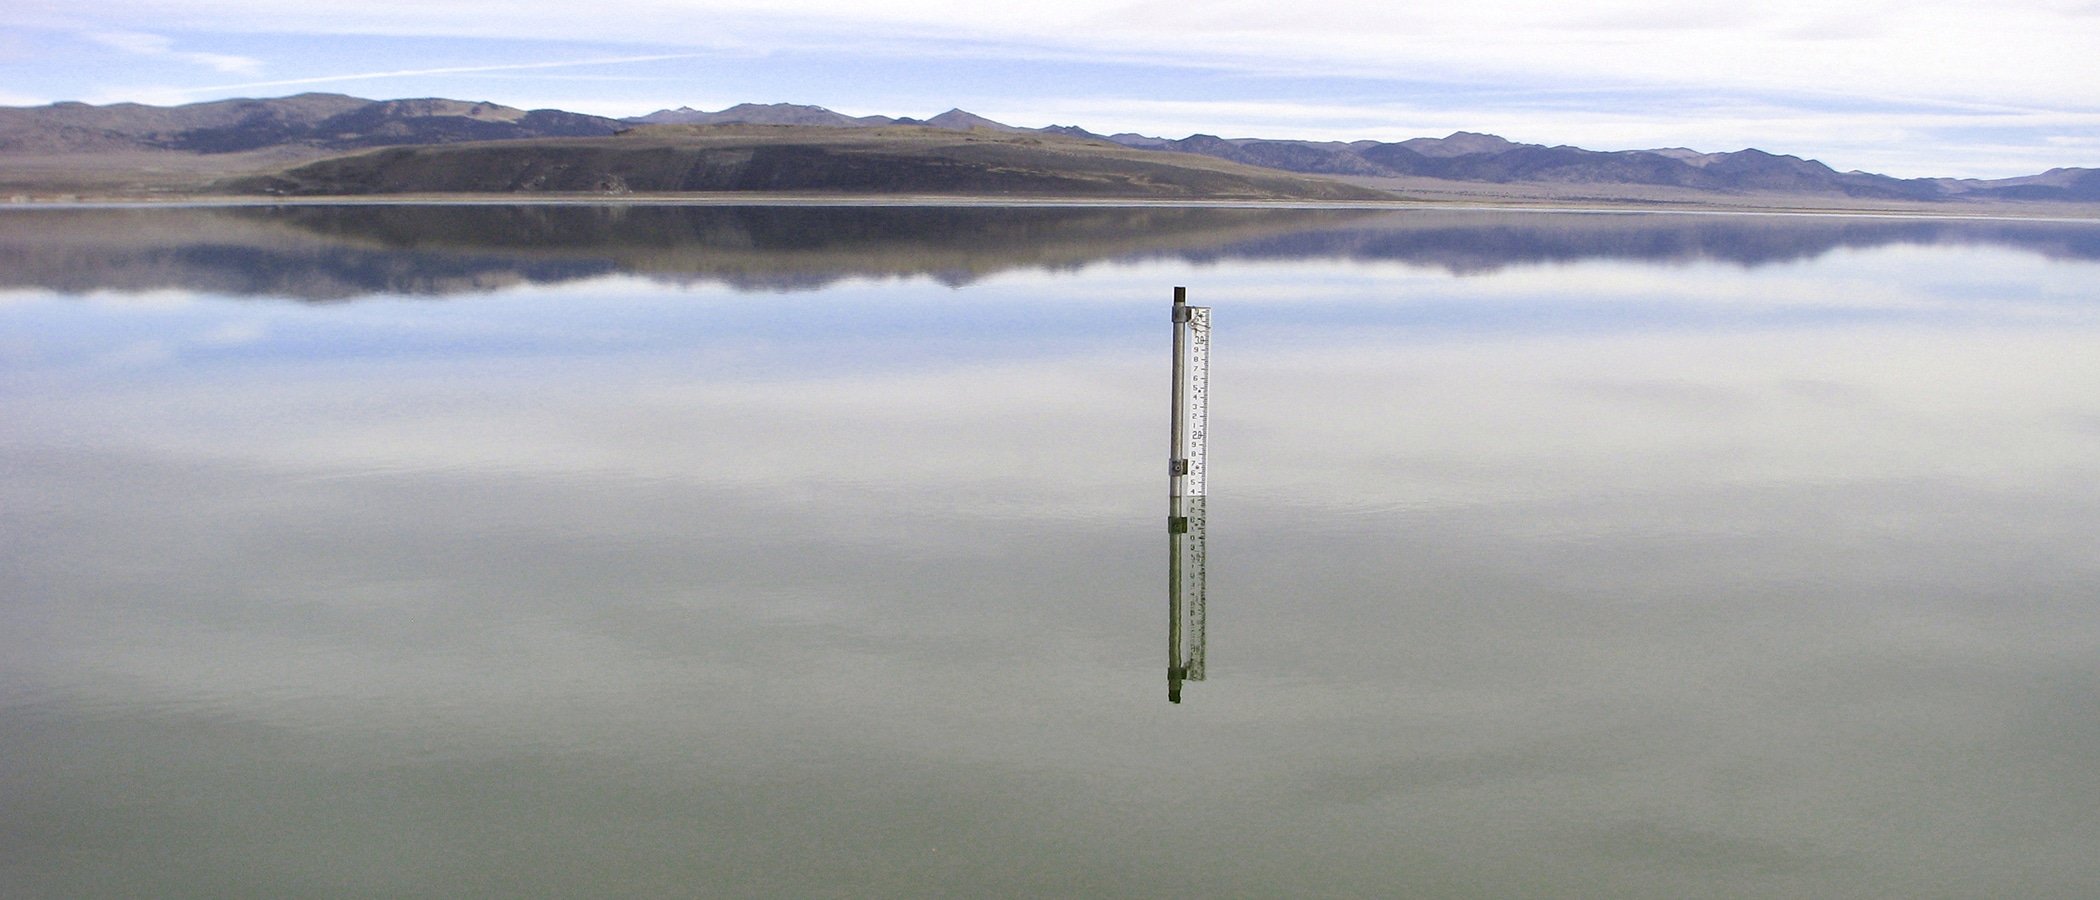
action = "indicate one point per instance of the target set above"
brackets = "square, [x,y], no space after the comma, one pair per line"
[1598,586]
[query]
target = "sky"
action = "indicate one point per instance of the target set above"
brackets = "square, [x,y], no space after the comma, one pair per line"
[1964,88]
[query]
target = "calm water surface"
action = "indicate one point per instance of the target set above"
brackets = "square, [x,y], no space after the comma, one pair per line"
[796,552]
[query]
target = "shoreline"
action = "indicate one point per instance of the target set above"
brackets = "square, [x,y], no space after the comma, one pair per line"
[2070,213]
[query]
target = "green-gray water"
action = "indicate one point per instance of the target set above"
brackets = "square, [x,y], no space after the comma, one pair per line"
[794,552]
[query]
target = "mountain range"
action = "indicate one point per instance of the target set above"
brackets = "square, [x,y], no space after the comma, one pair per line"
[319,121]
[315,124]
[1468,156]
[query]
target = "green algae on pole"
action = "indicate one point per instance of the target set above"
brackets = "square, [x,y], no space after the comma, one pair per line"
[1185,491]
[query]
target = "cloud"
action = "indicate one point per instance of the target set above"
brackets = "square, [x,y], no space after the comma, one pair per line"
[153,45]
[450,70]
[146,94]
[2021,51]
[234,334]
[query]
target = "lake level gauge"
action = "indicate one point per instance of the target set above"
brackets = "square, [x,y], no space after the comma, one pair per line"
[1185,490]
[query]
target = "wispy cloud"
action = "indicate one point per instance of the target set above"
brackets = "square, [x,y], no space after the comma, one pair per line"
[449,70]
[154,45]
[148,94]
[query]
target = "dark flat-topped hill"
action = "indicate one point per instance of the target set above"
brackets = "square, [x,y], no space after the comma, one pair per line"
[737,158]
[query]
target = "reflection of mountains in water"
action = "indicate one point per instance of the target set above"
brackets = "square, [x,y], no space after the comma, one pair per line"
[337,252]
[1472,242]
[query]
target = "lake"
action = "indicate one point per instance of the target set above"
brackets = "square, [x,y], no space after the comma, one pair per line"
[802,551]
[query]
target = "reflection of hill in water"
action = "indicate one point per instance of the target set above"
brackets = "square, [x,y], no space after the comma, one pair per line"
[336,252]
[791,247]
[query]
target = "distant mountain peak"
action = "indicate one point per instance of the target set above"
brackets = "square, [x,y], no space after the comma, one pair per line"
[959,120]
[1685,155]
[759,114]
[1072,131]
[1462,143]
[803,114]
